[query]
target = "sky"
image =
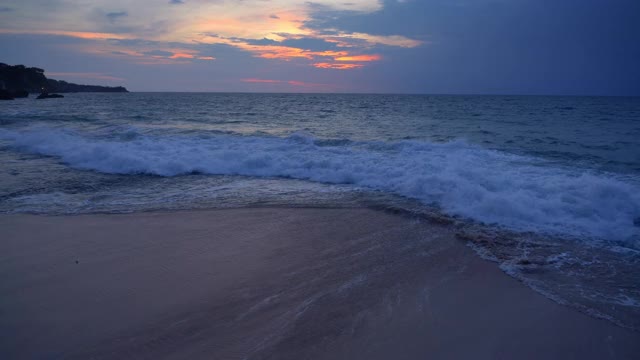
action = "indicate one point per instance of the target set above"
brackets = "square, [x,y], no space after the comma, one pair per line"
[546,47]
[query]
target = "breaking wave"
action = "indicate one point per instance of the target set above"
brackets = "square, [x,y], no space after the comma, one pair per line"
[518,192]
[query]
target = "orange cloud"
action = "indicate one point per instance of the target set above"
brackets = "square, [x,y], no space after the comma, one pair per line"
[286,53]
[281,52]
[304,84]
[358,58]
[143,54]
[335,66]
[243,25]
[277,52]
[76,34]
[256,26]
[181,56]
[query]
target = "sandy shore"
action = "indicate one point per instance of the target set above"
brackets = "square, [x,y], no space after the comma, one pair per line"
[272,284]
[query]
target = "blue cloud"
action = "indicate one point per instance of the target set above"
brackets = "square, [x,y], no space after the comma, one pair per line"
[497,46]
[263,41]
[114,16]
[312,44]
[158,53]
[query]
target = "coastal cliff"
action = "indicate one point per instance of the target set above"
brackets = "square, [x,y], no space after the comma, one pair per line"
[19,79]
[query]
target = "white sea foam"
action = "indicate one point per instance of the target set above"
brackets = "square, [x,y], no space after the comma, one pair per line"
[494,187]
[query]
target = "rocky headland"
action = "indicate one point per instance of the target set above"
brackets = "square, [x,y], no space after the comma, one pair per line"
[19,81]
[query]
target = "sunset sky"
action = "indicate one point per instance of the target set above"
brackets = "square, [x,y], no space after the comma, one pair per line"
[589,47]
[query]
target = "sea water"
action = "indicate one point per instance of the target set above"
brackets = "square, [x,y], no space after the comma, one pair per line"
[548,187]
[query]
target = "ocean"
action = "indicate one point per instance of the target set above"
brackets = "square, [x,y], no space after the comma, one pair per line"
[547,187]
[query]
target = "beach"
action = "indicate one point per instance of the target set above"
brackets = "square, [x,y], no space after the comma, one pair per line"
[273,283]
[319,180]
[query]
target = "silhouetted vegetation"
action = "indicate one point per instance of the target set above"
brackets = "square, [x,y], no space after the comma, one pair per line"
[19,81]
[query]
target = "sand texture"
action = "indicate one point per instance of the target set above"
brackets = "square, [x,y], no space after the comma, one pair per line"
[273,283]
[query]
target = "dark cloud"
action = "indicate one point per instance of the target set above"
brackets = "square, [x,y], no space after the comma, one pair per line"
[274,16]
[114,16]
[497,46]
[158,53]
[133,42]
[263,41]
[176,2]
[312,44]
[5,9]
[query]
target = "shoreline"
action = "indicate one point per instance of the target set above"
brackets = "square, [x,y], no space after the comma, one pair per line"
[273,283]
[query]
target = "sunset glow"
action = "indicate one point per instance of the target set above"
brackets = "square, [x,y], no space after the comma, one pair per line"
[337,66]
[441,46]
[241,22]
[175,32]
[358,58]
[76,34]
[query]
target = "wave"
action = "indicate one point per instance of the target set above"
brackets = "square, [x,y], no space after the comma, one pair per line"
[492,187]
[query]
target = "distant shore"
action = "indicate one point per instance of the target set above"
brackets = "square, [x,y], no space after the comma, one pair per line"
[19,80]
[273,283]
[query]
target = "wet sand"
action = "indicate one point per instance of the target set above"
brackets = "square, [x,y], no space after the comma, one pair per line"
[270,283]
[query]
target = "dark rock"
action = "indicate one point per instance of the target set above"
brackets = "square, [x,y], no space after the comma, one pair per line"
[49,96]
[10,95]
[6,95]
[20,94]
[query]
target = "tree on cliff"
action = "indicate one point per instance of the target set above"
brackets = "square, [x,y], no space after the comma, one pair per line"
[19,78]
